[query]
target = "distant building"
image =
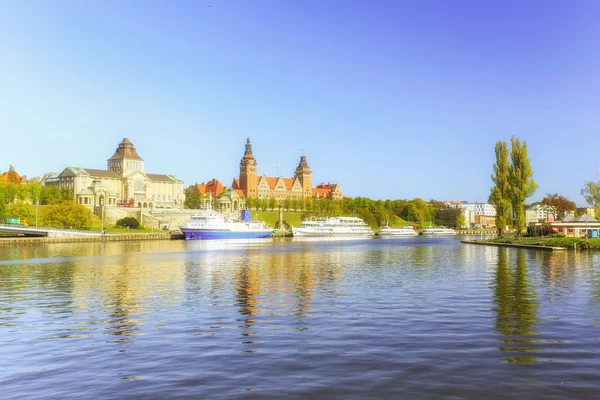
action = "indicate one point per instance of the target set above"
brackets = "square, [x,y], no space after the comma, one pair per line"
[213,187]
[327,191]
[251,185]
[124,181]
[570,226]
[538,213]
[469,216]
[483,214]
[19,179]
[587,210]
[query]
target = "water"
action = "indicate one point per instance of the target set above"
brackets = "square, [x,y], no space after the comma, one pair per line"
[384,318]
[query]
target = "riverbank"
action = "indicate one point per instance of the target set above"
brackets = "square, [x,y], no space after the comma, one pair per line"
[106,238]
[516,245]
[544,243]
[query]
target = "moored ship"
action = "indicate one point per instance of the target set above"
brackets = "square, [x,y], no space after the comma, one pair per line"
[405,231]
[438,231]
[214,226]
[328,227]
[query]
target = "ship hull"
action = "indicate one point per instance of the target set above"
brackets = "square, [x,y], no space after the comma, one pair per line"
[309,233]
[197,234]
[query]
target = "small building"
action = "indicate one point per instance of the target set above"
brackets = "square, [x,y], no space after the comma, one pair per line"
[230,200]
[570,226]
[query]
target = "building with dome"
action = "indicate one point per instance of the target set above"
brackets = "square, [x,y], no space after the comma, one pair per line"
[123,183]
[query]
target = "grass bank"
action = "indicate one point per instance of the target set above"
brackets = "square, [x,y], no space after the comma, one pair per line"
[564,242]
[271,217]
[96,226]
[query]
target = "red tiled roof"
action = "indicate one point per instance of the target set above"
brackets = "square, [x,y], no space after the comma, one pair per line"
[271,181]
[21,179]
[236,183]
[289,183]
[213,186]
[239,192]
[321,191]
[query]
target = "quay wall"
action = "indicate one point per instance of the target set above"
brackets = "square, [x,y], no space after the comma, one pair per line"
[82,239]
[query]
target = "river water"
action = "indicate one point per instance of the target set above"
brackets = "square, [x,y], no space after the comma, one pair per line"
[381,318]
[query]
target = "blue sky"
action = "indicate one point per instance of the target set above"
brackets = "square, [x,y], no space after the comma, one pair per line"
[391,99]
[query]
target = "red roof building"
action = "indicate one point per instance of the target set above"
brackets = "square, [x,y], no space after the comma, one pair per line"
[213,186]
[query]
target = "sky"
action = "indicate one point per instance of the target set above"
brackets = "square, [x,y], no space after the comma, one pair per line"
[390,99]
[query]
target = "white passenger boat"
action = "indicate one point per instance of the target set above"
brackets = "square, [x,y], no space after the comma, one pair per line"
[438,231]
[338,226]
[405,231]
[214,226]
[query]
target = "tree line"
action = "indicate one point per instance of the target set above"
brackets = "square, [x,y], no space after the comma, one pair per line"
[376,213]
[18,200]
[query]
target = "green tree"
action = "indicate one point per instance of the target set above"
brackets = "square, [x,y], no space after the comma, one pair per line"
[500,195]
[296,204]
[22,210]
[449,216]
[272,203]
[521,181]
[559,203]
[2,202]
[287,204]
[12,176]
[308,205]
[419,210]
[34,189]
[66,214]
[460,219]
[591,193]
[193,197]
[250,202]
[381,216]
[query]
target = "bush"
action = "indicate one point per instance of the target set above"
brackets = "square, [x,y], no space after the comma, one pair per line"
[128,222]
[557,235]
[66,214]
[286,226]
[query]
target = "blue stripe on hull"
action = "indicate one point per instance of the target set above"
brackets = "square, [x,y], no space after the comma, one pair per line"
[196,234]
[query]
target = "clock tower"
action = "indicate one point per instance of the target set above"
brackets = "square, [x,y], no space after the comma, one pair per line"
[248,173]
[304,174]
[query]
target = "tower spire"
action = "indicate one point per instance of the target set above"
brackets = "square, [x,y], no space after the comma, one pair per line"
[248,151]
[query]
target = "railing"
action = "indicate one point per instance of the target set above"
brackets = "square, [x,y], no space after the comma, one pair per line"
[49,229]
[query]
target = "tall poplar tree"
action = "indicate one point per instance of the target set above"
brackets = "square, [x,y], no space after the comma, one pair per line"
[521,182]
[500,195]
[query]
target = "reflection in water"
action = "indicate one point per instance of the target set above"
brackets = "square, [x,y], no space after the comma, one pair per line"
[338,319]
[121,305]
[516,309]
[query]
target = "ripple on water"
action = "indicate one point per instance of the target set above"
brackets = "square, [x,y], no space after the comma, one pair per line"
[345,319]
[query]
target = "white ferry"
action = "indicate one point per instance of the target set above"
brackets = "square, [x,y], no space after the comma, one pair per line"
[214,226]
[438,231]
[405,231]
[338,226]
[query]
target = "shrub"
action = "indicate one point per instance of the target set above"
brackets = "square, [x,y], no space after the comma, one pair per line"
[286,226]
[128,222]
